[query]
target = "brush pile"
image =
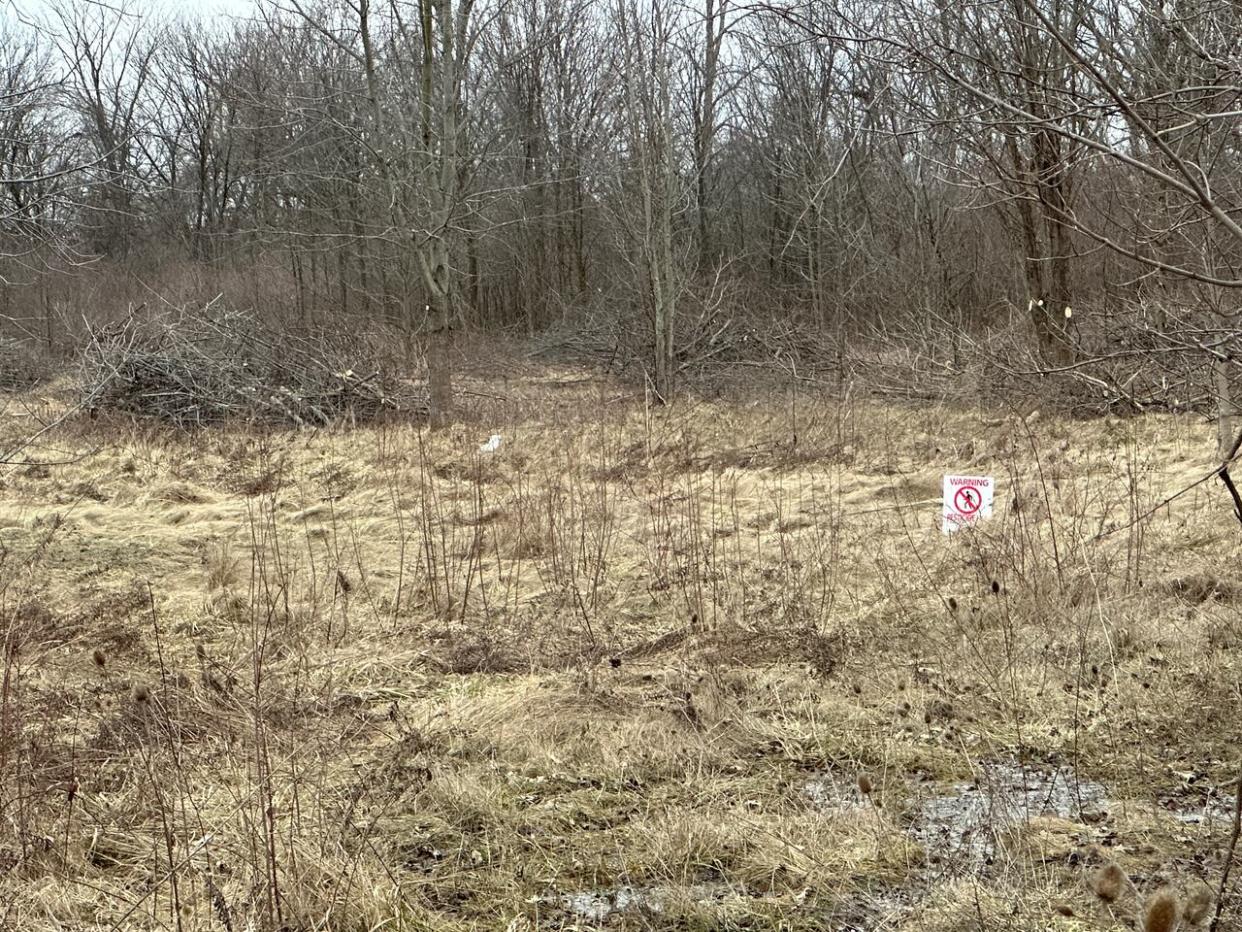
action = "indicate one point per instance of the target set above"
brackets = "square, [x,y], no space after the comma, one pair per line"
[198,368]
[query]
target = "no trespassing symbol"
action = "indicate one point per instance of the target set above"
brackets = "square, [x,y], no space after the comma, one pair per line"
[967,500]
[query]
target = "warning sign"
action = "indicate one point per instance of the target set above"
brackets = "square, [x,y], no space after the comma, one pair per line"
[967,500]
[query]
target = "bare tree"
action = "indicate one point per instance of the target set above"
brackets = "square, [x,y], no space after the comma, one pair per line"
[35,157]
[652,185]
[43,164]
[706,88]
[110,60]
[413,61]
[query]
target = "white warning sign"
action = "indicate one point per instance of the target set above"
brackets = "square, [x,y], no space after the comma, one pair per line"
[967,500]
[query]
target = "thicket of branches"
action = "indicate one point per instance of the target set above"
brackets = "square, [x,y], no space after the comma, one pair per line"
[687,171]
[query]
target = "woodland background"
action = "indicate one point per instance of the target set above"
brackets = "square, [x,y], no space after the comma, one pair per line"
[669,188]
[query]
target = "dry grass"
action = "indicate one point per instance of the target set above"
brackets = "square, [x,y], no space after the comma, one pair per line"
[629,671]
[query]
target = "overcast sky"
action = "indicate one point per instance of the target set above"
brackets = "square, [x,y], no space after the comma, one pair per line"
[34,8]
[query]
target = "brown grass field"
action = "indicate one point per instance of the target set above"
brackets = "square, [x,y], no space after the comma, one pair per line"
[705,667]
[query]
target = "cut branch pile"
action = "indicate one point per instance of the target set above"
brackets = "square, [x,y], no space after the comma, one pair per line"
[203,368]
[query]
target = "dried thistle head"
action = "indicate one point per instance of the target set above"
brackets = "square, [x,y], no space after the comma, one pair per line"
[864,784]
[142,695]
[1108,882]
[1199,900]
[1162,911]
[98,658]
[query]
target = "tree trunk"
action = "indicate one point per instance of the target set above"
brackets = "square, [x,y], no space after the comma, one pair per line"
[1224,407]
[440,363]
[437,275]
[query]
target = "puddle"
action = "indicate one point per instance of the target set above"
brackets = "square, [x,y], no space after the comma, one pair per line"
[869,910]
[829,792]
[962,825]
[1215,810]
[595,907]
[599,905]
[958,825]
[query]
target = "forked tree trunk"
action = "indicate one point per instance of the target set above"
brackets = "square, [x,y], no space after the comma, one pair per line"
[437,272]
[444,33]
[440,84]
